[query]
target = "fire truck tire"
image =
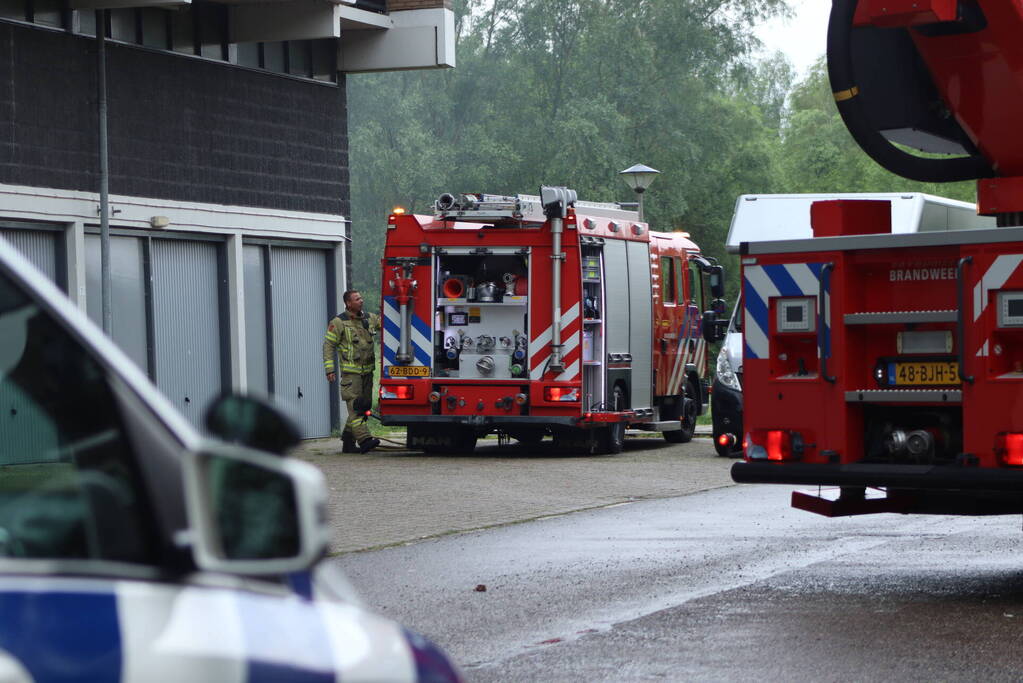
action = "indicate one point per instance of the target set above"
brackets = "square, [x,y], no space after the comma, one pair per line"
[687,417]
[673,436]
[578,442]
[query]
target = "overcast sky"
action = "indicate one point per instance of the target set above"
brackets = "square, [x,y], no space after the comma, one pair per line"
[802,38]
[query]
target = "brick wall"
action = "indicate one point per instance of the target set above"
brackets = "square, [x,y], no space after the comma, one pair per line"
[398,5]
[179,128]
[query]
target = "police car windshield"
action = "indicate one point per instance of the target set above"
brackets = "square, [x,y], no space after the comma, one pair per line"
[68,487]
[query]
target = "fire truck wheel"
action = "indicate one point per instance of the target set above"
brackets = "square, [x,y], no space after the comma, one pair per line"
[578,442]
[687,417]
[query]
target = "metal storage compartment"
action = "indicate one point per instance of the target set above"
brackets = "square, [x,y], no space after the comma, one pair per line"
[640,324]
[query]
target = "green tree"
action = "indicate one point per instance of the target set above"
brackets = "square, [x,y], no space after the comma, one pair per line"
[569,92]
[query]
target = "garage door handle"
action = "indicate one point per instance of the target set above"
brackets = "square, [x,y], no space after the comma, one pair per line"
[300,392]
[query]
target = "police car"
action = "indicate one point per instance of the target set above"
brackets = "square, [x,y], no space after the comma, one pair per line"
[133,549]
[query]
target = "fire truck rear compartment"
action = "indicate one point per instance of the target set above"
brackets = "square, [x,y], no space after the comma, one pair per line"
[481,320]
[912,434]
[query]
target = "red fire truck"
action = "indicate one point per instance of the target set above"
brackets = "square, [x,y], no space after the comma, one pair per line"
[542,315]
[890,366]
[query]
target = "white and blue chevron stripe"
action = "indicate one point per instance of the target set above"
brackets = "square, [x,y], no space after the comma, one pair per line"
[762,283]
[421,342]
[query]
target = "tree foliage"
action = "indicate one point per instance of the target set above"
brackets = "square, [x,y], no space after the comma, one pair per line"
[570,92]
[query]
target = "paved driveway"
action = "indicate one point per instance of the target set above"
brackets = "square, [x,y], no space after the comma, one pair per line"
[392,496]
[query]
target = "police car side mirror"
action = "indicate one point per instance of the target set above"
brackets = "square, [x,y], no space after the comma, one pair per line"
[714,328]
[252,422]
[252,513]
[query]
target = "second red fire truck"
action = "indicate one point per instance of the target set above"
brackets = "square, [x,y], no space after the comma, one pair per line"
[890,366]
[542,315]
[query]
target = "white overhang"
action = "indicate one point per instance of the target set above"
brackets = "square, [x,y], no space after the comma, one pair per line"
[369,41]
[417,39]
[355,19]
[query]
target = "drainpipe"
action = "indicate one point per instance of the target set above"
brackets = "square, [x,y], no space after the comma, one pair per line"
[104,171]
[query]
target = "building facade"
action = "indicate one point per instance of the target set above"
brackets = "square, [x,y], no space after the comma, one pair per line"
[228,175]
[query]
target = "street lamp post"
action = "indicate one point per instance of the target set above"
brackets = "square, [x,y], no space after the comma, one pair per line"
[639,177]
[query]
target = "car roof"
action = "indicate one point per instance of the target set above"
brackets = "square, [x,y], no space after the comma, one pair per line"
[106,351]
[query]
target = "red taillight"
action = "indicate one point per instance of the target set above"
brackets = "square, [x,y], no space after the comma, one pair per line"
[400,392]
[779,445]
[1012,449]
[725,440]
[561,393]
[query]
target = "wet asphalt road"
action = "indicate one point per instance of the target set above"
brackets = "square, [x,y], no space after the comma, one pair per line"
[726,584]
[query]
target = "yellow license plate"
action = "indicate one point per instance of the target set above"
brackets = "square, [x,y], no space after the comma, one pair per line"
[409,371]
[923,373]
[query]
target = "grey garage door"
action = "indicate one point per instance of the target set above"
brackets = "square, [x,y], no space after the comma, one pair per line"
[186,323]
[300,316]
[41,244]
[24,430]
[127,293]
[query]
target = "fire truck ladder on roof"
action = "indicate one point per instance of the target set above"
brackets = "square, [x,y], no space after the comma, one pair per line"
[489,208]
[512,210]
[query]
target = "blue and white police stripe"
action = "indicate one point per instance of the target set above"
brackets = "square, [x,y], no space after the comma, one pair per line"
[57,629]
[762,283]
[421,342]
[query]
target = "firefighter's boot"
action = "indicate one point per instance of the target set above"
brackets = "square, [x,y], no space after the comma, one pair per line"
[368,444]
[348,443]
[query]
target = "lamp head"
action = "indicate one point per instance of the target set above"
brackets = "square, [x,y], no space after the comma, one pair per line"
[639,177]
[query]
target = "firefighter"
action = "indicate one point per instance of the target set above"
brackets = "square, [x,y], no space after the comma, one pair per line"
[350,334]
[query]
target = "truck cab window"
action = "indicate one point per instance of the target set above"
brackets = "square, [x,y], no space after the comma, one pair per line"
[695,285]
[68,485]
[668,286]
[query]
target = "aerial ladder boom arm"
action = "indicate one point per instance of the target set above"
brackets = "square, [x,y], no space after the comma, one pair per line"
[942,76]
